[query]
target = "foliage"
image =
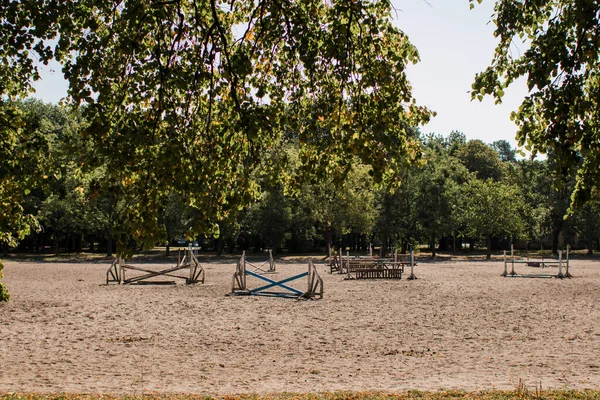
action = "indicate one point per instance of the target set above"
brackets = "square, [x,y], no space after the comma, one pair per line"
[24,154]
[440,181]
[561,113]
[505,150]
[214,85]
[489,208]
[24,151]
[481,159]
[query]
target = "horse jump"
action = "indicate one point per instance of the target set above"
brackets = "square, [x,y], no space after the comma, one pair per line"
[369,267]
[537,263]
[240,287]
[116,272]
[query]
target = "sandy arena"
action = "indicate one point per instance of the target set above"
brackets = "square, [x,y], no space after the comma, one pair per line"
[459,326]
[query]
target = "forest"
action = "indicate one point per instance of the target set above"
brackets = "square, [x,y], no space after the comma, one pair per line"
[461,195]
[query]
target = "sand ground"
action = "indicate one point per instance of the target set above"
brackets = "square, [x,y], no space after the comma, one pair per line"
[459,326]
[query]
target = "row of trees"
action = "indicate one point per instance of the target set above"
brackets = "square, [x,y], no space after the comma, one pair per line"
[225,87]
[461,192]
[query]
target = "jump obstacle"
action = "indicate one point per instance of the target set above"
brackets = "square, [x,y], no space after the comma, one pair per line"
[260,268]
[189,261]
[240,287]
[369,267]
[537,263]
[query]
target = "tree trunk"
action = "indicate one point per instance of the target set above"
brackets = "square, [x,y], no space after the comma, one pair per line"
[109,244]
[219,246]
[433,247]
[56,245]
[555,237]
[168,249]
[78,244]
[488,241]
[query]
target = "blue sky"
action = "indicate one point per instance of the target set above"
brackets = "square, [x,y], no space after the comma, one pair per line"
[454,43]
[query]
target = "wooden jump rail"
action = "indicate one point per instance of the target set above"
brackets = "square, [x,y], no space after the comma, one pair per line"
[116,272]
[271,261]
[377,268]
[239,283]
[536,263]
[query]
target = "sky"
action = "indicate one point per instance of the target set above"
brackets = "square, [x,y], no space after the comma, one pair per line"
[454,43]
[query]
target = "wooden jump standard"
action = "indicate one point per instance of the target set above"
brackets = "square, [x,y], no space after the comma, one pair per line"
[116,272]
[239,283]
[535,263]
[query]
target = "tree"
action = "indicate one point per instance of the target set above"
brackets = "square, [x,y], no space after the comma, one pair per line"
[489,209]
[215,84]
[505,150]
[481,159]
[439,181]
[176,220]
[561,113]
[24,154]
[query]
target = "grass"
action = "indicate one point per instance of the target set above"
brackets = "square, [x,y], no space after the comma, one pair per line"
[521,392]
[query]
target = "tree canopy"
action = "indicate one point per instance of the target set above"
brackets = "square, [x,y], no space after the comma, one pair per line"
[560,61]
[186,96]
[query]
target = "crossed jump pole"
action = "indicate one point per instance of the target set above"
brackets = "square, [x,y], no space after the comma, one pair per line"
[116,272]
[275,288]
[261,268]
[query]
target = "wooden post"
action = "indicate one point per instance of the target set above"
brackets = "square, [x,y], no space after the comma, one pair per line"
[348,265]
[121,269]
[412,265]
[272,261]
[542,263]
[512,260]
[191,256]
[560,273]
[568,274]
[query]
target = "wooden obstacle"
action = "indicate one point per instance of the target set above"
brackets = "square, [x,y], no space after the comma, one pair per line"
[275,288]
[116,272]
[260,268]
[537,263]
[376,268]
[335,263]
